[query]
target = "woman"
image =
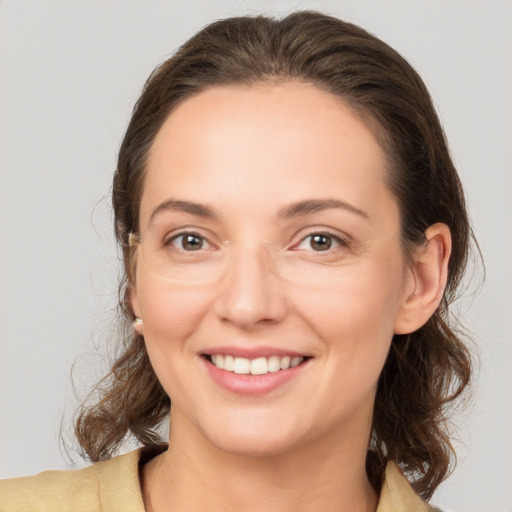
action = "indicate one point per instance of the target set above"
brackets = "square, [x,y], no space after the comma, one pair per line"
[293,232]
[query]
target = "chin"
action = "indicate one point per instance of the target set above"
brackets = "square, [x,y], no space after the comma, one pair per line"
[259,446]
[253,437]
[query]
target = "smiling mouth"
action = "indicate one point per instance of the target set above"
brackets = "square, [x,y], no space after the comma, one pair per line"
[257,366]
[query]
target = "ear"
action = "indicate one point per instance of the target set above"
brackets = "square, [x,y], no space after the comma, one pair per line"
[138,326]
[426,280]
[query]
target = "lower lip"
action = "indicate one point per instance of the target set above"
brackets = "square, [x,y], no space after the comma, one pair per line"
[253,385]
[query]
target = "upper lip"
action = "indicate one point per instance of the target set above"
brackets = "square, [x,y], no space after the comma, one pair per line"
[252,352]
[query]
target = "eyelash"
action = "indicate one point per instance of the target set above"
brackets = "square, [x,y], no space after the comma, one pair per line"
[169,241]
[341,242]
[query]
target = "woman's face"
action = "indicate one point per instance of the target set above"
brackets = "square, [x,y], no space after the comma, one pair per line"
[269,238]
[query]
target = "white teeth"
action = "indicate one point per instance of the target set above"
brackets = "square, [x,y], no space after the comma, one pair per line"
[229,363]
[274,364]
[258,366]
[285,363]
[295,361]
[242,366]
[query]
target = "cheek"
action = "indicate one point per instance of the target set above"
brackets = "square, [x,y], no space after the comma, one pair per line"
[171,314]
[170,311]
[357,308]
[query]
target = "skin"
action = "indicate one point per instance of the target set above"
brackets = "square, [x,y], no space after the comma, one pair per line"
[247,154]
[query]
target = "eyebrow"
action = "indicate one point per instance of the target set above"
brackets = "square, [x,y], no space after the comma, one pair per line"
[189,207]
[299,209]
[311,206]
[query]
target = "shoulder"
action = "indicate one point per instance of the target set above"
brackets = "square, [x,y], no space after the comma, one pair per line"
[107,486]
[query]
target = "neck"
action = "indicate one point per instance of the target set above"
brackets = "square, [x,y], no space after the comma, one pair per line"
[194,475]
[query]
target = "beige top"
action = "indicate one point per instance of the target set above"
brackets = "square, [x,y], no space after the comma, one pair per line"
[114,486]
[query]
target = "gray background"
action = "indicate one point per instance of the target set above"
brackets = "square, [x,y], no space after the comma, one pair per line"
[70,73]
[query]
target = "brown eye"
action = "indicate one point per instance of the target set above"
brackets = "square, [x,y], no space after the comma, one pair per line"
[188,242]
[320,242]
[192,242]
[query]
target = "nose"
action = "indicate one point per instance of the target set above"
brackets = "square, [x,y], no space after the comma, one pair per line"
[251,293]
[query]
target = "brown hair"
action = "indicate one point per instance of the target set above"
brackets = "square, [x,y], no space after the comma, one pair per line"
[425,370]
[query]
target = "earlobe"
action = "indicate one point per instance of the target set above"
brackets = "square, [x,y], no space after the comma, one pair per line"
[426,281]
[138,325]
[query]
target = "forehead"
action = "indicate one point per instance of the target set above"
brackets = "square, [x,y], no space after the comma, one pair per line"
[248,142]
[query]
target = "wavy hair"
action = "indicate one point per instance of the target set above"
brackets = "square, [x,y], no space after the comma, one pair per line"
[427,370]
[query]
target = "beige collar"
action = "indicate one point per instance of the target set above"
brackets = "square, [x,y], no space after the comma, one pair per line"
[396,493]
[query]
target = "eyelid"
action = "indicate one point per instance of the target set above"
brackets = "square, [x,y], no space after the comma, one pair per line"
[341,240]
[171,237]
